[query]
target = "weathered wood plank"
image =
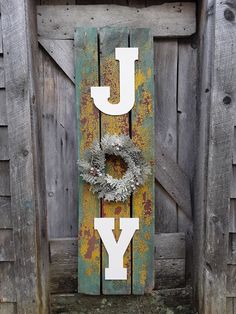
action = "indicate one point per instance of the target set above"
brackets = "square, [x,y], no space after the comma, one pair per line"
[186,110]
[63,265]
[8,308]
[232,249]
[170,273]
[59,140]
[86,56]
[143,201]
[232,216]
[62,52]
[166,57]
[168,20]
[3,109]
[4,154]
[229,305]
[4,178]
[19,98]
[58,2]
[173,179]
[7,282]
[222,120]
[169,246]
[230,283]
[1,46]
[2,73]
[205,50]
[5,212]
[6,245]
[111,38]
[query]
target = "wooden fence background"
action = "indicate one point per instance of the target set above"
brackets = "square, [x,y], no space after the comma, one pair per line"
[183,81]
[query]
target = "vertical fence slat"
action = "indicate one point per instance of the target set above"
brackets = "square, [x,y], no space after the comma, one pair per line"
[143,136]
[109,73]
[86,53]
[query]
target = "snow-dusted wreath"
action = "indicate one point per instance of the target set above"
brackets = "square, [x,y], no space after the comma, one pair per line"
[93,168]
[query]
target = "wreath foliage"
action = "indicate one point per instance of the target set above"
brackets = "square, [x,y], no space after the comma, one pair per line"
[93,168]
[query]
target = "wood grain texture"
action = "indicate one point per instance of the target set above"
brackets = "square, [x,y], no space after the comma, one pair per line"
[1,45]
[232,216]
[59,143]
[220,162]
[8,308]
[230,281]
[232,249]
[62,52]
[2,75]
[19,98]
[169,246]
[186,110]
[63,265]
[170,19]
[7,282]
[4,154]
[63,275]
[166,56]
[173,179]
[230,305]
[206,35]
[86,56]
[5,178]
[170,273]
[111,38]
[6,245]
[5,212]
[3,109]
[143,201]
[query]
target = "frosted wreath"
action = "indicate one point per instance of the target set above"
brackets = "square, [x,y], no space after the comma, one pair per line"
[93,168]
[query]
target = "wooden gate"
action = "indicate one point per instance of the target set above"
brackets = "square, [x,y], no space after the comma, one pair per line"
[175,60]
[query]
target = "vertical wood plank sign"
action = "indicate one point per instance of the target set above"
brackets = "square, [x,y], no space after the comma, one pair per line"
[98,63]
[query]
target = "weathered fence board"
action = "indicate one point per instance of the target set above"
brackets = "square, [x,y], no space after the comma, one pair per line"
[5,212]
[232,216]
[3,109]
[59,141]
[166,57]
[19,99]
[8,308]
[62,53]
[170,273]
[142,119]
[7,282]
[6,245]
[86,51]
[111,38]
[4,155]
[2,76]
[169,245]
[4,178]
[173,179]
[169,19]
[222,121]
[63,267]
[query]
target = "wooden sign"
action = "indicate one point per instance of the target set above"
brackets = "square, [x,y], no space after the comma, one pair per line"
[96,66]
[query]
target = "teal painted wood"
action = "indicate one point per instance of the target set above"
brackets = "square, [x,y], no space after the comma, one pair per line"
[143,136]
[110,38]
[86,75]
